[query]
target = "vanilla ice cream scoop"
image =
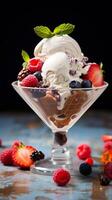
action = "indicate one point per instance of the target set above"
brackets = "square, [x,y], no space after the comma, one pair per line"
[55,70]
[57,43]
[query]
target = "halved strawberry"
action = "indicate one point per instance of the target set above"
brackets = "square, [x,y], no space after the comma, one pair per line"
[22,156]
[95,75]
[107,138]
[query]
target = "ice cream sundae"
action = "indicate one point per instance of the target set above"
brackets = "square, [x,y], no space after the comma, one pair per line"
[59,69]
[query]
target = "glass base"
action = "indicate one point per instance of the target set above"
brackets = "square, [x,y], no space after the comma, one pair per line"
[47,167]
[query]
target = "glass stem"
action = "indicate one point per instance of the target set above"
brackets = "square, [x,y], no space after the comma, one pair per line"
[60,153]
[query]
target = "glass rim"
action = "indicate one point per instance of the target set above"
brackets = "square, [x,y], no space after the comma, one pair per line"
[14,84]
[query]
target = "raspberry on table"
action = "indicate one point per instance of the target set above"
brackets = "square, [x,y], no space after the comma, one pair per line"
[61,176]
[83,151]
[6,157]
[89,161]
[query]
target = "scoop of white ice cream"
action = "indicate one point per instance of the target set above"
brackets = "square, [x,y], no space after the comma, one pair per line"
[58,43]
[55,70]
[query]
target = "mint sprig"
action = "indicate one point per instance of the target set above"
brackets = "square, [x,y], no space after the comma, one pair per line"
[45,32]
[64,29]
[25,56]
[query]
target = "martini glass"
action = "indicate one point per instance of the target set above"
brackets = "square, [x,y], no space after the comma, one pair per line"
[45,102]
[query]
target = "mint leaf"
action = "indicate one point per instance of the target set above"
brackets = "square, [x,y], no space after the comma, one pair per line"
[25,64]
[25,56]
[64,29]
[43,31]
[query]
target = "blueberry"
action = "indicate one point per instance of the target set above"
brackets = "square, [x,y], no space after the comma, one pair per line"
[75,84]
[104,180]
[38,93]
[86,84]
[85,169]
[38,75]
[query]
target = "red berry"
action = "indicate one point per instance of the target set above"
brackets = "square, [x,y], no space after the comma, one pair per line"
[89,161]
[61,176]
[108,146]
[108,170]
[6,157]
[0,142]
[83,151]
[107,138]
[95,75]
[29,81]
[35,65]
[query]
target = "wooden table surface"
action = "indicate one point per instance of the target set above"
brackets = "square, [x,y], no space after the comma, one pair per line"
[24,185]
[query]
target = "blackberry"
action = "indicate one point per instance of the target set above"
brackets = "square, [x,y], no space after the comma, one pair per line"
[85,169]
[37,155]
[23,73]
[104,180]
[38,75]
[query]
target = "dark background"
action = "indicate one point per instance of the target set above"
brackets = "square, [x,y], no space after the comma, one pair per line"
[93,26]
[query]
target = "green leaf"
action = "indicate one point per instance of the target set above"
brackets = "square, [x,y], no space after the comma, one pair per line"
[25,64]
[25,56]
[43,31]
[64,29]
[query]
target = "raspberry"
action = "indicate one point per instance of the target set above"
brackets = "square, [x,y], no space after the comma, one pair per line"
[35,65]
[29,81]
[108,170]
[89,161]
[61,176]
[6,156]
[0,142]
[83,151]
[108,146]
[85,169]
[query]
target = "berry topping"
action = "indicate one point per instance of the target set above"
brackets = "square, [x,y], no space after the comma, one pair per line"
[89,161]
[60,138]
[6,156]
[108,146]
[75,84]
[95,75]
[35,65]
[108,170]
[86,84]
[23,73]
[37,155]
[85,169]
[38,76]
[38,93]
[104,180]
[107,138]
[22,156]
[61,176]
[29,81]
[83,151]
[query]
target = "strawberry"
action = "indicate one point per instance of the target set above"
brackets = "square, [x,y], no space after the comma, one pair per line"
[107,138]
[30,81]
[6,156]
[35,65]
[16,143]
[22,156]
[95,75]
